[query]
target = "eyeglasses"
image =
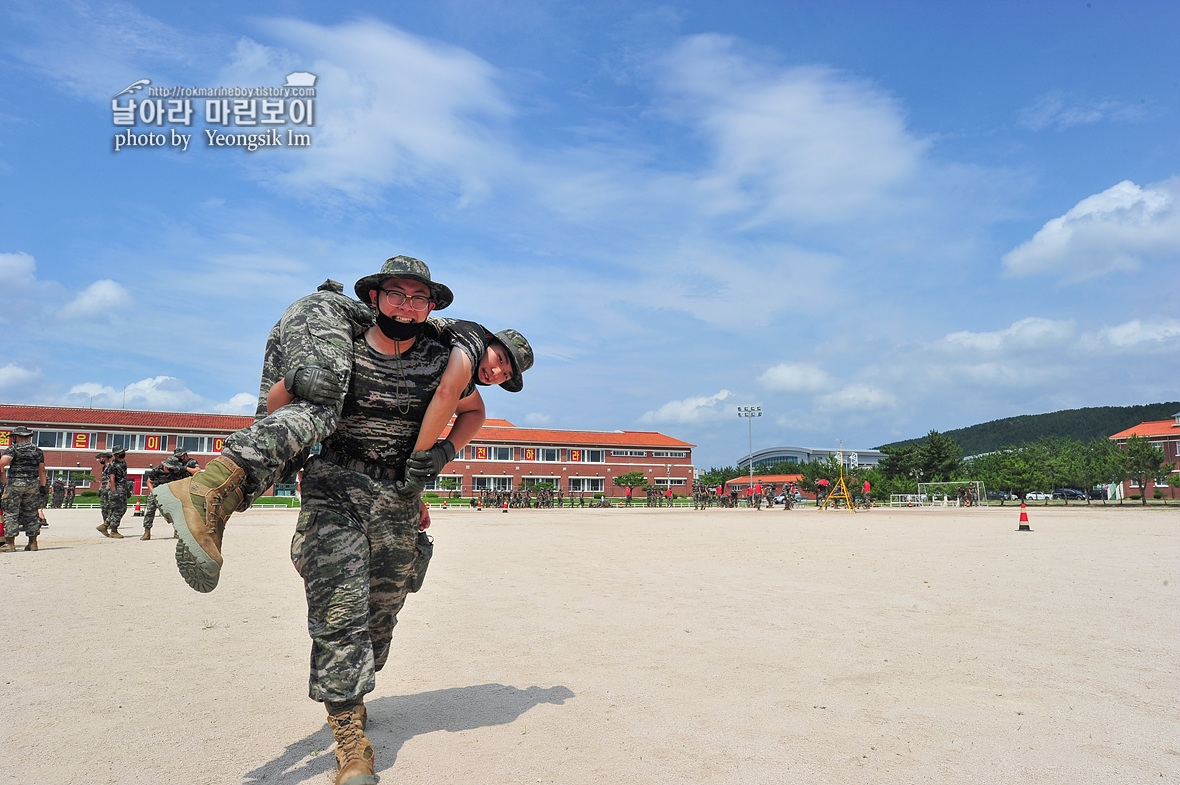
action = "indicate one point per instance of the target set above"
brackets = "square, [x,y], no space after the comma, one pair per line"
[398,299]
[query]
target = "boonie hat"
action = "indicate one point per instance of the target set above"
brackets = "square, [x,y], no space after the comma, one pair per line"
[405,267]
[179,451]
[521,355]
[119,451]
[21,430]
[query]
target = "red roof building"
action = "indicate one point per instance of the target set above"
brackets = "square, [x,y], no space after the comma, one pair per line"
[500,457]
[1164,434]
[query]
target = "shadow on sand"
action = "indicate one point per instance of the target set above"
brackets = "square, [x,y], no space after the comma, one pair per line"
[395,720]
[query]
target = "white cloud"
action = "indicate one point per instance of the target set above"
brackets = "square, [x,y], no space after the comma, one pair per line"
[795,378]
[95,49]
[1052,109]
[394,109]
[1137,333]
[1117,229]
[1031,334]
[98,301]
[538,419]
[806,143]
[17,271]
[158,393]
[15,379]
[857,396]
[689,410]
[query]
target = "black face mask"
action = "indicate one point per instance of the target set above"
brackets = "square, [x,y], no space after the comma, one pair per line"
[398,331]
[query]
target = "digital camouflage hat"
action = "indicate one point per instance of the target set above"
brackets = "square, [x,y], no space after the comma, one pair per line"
[522,358]
[405,267]
[21,430]
[179,451]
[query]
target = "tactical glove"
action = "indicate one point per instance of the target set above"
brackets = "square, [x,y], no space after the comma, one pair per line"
[409,488]
[426,464]
[318,385]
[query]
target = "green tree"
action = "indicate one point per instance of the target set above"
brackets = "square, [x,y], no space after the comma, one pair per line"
[940,458]
[717,476]
[631,480]
[450,484]
[1146,462]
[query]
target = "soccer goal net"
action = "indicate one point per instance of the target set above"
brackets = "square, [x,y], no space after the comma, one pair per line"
[961,493]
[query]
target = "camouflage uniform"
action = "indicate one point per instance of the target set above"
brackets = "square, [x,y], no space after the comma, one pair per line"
[170,469]
[117,498]
[315,330]
[104,487]
[356,543]
[319,330]
[59,493]
[22,493]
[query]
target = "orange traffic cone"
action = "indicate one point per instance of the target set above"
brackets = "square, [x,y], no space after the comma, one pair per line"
[479,506]
[444,504]
[505,506]
[1023,520]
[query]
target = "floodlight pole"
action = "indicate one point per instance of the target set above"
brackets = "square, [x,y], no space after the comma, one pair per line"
[750,412]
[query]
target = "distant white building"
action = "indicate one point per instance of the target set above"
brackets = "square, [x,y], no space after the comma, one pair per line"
[773,455]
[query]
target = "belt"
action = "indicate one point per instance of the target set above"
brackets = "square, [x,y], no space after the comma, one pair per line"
[376,471]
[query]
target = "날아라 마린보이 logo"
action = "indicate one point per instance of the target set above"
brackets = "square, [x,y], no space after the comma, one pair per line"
[249,118]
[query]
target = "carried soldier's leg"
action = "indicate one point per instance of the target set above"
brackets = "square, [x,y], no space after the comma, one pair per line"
[104,507]
[311,333]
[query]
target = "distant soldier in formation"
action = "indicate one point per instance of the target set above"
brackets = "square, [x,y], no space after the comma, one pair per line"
[175,467]
[22,471]
[71,489]
[104,480]
[59,492]
[117,494]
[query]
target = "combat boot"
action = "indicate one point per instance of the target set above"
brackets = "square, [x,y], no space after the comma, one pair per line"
[198,507]
[114,533]
[354,753]
[147,534]
[104,530]
[32,546]
[9,544]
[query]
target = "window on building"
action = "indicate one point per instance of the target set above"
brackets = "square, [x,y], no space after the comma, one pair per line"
[628,453]
[529,482]
[199,444]
[669,481]
[666,454]
[587,484]
[587,456]
[446,482]
[50,440]
[121,441]
[488,453]
[547,454]
[480,483]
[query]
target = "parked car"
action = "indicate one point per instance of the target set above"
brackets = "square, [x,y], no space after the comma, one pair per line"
[997,496]
[1036,496]
[1099,493]
[1069,494]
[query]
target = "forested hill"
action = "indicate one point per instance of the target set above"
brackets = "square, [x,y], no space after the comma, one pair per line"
[1080,424]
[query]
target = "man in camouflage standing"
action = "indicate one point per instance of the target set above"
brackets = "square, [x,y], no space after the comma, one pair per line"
[22,471]
[59,492]
[175,467]
[104,480]
[116,494]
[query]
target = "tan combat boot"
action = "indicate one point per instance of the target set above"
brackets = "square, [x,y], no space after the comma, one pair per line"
[198,507]
[9,544]
[32,546]
[104,530]
[115,534]
[147,534]
[354,753]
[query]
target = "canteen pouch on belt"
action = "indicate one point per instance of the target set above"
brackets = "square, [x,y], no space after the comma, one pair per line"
[425,547]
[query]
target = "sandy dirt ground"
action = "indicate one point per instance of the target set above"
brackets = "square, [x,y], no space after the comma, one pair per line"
[622,646]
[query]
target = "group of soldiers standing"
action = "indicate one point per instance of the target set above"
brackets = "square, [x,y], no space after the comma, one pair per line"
[706,496]
[115,488]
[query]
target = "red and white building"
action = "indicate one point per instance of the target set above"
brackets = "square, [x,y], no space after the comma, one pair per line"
[504,457]
[71,437]
[1164,434]
[500,457]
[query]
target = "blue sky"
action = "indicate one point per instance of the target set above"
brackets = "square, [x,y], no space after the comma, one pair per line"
[871,219]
